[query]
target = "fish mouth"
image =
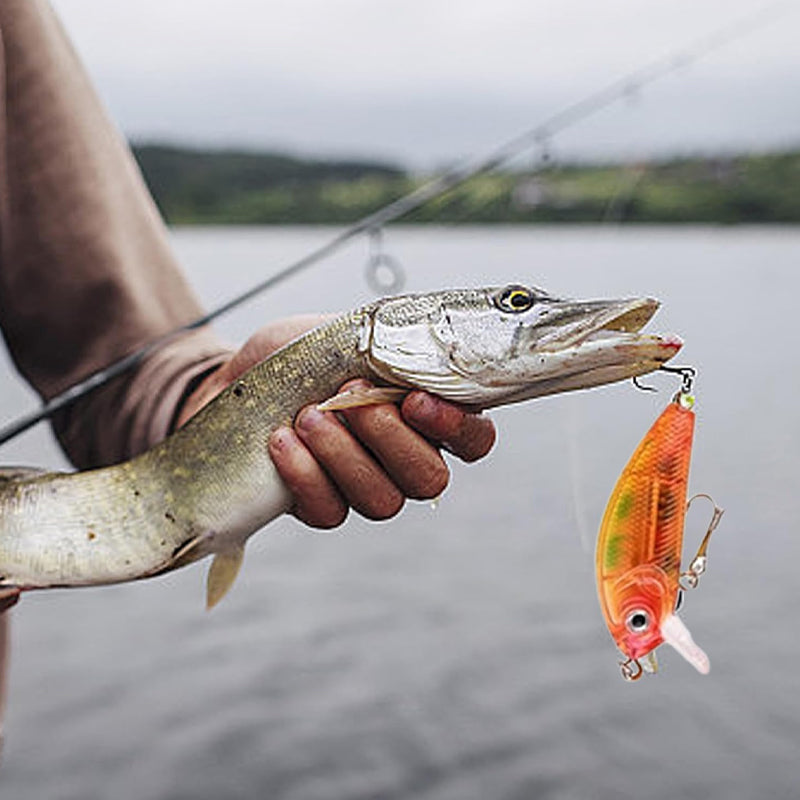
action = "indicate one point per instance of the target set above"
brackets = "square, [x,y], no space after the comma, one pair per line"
[574,323]
[498,354]
[580,345]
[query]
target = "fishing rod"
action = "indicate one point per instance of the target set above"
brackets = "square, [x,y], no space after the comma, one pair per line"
[538,136]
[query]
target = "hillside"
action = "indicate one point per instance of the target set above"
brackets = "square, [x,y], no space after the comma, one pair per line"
[238,187]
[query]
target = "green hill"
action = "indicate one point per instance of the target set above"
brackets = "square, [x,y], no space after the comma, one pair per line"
[193,186]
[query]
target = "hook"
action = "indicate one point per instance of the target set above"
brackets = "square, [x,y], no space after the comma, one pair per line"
[650,664]
[641,386]
[687,374]
[691,577]
[631,669]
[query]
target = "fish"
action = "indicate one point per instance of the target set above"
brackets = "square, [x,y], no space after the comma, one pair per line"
[640,543]
[208,487]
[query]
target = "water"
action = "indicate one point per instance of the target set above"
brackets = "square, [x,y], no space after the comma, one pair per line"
[457,653]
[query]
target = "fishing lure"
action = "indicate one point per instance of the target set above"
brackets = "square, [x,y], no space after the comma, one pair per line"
[639,545]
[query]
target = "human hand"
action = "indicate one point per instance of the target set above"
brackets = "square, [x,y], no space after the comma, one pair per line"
[370,458]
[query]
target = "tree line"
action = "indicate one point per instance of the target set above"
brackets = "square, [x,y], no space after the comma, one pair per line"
[205,186]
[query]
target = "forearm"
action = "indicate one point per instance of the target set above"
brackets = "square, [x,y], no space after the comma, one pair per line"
[86,272]
[132,413]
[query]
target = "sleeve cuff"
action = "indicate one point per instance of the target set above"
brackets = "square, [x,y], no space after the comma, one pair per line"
[135,412]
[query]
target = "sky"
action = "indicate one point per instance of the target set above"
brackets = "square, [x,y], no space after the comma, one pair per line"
[426,82]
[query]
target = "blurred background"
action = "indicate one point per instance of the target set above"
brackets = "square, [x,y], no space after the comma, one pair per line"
[456,652]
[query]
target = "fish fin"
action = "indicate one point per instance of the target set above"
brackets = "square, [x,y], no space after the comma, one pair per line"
[675,633]
[222,574]
[355,398]
[186,553]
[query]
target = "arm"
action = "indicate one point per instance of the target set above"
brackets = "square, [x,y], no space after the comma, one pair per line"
[86,276]
[86,272]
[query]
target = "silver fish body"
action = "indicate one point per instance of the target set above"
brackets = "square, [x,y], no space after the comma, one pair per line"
[211,485]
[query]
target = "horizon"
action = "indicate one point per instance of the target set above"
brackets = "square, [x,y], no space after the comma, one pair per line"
[578,160]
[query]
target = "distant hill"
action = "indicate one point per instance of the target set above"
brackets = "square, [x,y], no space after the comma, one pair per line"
[237,185]
[194,186]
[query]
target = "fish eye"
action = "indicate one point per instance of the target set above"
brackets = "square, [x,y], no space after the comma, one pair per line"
[514,299]
[638,621]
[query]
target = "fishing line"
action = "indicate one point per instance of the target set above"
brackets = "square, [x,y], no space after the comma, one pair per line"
[538,137]
[571,419]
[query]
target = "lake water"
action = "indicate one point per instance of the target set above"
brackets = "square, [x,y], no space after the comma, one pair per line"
[457,653]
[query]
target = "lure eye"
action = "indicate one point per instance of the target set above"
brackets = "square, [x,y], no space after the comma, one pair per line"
[638,621]
[514,299]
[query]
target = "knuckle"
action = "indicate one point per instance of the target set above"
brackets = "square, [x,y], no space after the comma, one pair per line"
[434,417]
[356,383]
[375,423]
[383,419]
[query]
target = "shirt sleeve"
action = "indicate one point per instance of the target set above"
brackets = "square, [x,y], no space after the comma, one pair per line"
[86,272]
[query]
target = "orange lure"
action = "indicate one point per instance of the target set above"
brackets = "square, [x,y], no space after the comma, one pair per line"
[638,559]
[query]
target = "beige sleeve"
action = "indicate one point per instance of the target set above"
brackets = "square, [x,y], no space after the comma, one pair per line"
[86,272]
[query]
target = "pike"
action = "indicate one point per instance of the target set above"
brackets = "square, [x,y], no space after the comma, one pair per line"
[207,488]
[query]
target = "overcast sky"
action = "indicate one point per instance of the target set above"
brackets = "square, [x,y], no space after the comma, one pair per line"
[426,81]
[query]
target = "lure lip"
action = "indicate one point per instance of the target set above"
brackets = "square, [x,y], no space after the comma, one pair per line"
[676,634]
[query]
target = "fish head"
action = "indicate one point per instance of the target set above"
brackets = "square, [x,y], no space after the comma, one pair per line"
[500,345]
[641,616]
[638,603]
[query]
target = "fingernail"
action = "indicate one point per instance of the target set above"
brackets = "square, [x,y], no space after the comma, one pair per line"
[309,418]
[280,439]
[420,405]
[356,383]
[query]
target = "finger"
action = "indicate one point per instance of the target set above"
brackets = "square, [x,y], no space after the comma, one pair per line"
[413,464]
[316,500]
[467,436]
[357,475]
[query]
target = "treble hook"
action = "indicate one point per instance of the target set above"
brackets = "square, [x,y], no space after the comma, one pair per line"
[690,578]
[687,374]
[631,669]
